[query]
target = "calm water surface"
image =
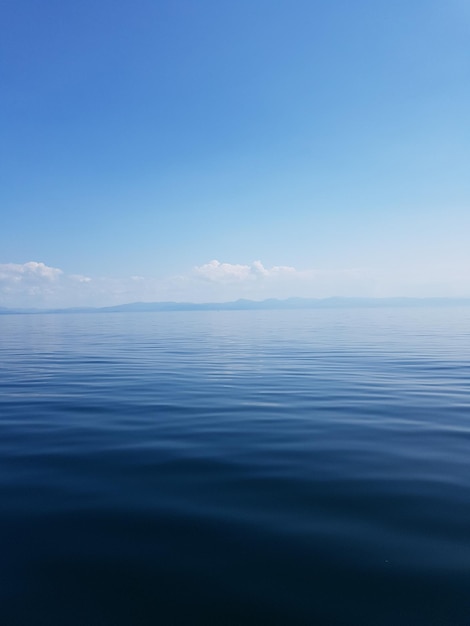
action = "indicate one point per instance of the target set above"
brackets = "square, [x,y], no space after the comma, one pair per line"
[236,468]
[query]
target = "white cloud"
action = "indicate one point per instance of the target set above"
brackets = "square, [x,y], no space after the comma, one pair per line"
[36,284]
[215,271]
[28,284]
[219,281]
[79,278]
[15,272]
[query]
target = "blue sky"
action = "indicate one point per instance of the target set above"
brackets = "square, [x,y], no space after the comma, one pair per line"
[210,150]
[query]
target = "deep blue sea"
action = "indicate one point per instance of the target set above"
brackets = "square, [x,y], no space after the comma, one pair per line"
[241,468]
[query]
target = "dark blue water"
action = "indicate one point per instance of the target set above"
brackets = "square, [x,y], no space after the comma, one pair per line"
[235,468]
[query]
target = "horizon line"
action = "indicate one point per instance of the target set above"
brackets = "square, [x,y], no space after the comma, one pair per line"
[293,302]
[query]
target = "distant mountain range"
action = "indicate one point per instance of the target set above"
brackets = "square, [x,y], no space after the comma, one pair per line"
[252,305]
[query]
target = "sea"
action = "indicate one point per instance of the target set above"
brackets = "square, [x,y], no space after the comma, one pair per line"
[238,468]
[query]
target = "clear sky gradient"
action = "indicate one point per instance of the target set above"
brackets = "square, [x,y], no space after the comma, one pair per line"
[216,149]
